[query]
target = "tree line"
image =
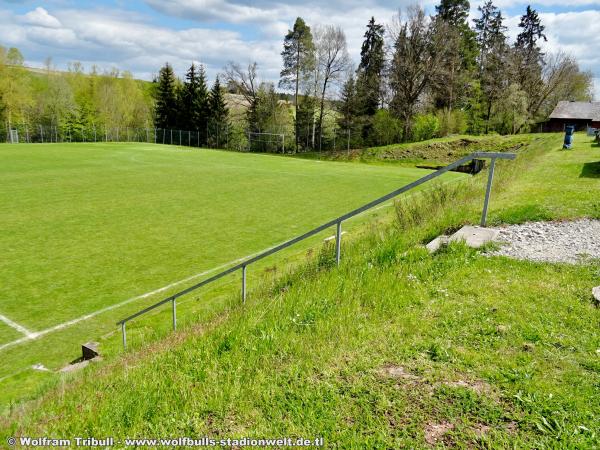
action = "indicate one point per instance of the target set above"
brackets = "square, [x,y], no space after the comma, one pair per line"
[190,105]
[73,102]
[418,77]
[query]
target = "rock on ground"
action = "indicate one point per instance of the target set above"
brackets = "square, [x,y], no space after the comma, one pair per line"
[570,242]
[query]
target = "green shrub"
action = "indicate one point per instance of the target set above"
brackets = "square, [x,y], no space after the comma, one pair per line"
[451,122]
[426,127]
[386,128]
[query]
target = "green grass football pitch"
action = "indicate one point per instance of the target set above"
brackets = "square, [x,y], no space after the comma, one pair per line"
[87,226]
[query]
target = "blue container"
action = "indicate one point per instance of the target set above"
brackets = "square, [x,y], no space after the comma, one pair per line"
[569,130]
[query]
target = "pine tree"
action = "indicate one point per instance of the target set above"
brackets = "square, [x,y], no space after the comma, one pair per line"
[369,76]
[528,56]
[533,31]
[493,55]
[166,98]
[298,61]
[189,101]
[490,32]
[369,72]
[217,106]
[461,52]
[348,109]
[201,112]
[347,105]
[218,113]
[454,12]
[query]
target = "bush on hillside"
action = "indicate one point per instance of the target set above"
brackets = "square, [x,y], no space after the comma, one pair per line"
[426,127]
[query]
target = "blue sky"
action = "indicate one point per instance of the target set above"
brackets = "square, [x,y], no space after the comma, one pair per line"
[140,35]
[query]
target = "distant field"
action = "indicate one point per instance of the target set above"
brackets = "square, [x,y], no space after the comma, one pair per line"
[86,226]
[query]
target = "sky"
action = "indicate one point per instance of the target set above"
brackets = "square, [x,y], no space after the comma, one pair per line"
[141,35]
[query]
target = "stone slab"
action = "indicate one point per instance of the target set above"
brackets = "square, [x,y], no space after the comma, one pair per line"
[474,236]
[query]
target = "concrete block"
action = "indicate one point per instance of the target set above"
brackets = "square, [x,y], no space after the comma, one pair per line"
[332,238]
[474,236]
[90,350]
[435,245]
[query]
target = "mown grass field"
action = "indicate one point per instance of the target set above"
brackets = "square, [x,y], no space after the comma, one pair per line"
[395,348]
[87,226]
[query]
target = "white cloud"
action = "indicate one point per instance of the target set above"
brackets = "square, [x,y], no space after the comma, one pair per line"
[545,3]
[575,33]
[117,39]
[213,10]
[131,41]
[40,17]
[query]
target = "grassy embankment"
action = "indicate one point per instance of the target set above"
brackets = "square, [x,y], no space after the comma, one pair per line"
[93,226]
[438,151]
[394,348]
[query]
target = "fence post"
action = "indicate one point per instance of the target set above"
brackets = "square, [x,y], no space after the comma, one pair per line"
[487,193]
[243,284]
[124,333]
[174,315]
[338,242]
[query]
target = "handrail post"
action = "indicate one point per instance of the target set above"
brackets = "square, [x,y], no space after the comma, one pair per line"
[124,333]
[174,305]
[338,242]
[244,284]
[488,192]
[326,226]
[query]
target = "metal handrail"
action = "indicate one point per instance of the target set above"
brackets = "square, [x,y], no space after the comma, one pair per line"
[338,223]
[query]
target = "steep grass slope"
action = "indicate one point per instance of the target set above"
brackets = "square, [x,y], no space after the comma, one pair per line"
[394,348]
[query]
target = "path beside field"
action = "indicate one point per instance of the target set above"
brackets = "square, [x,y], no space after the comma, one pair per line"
[570,242]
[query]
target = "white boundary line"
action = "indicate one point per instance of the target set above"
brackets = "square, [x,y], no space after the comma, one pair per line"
[20,328]
[34,335]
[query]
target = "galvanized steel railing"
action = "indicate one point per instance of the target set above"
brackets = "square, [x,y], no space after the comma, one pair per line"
[338,236]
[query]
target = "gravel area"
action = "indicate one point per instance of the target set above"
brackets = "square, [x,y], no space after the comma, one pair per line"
[570,242]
